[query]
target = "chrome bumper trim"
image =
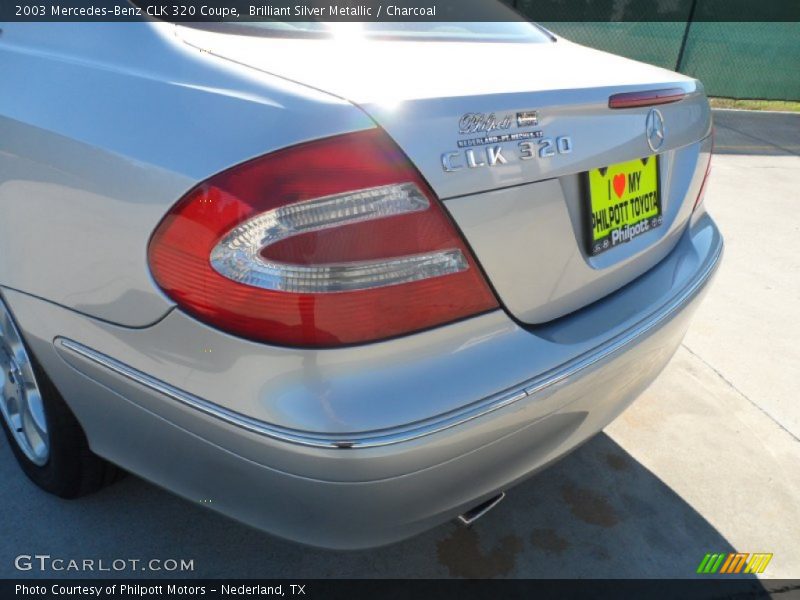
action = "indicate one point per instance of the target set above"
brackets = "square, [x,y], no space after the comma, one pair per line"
[419,429]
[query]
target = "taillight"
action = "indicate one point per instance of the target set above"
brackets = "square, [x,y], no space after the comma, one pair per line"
[701,194]
[332,242]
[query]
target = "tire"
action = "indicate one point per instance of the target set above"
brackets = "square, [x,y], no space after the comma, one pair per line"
[45,437]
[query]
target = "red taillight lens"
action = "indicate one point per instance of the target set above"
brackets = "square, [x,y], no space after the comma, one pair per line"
[332,242]
[701,194]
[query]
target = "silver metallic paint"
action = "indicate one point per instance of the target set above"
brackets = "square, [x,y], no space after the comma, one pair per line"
[567,84]
[366,389]
[542,269]
[97,142]
[404,434]
[359,498]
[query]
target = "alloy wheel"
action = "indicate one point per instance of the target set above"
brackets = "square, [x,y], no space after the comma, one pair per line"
[20,398]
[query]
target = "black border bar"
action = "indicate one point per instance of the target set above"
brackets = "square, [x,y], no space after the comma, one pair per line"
[216,11]
[393,589]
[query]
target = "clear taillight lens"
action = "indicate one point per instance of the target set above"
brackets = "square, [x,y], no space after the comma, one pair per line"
[333,242]
[242,255]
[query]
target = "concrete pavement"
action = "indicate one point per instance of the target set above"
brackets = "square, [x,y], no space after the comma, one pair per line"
[707,460]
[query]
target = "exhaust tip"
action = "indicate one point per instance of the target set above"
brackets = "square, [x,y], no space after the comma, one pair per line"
[475,513]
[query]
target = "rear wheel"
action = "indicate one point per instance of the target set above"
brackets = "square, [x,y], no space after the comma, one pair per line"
[47,440]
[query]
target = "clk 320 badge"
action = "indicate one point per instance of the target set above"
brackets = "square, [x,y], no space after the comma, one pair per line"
[489,151]
[496,154]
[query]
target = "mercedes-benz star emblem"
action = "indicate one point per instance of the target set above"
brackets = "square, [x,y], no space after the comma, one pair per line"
[654,129]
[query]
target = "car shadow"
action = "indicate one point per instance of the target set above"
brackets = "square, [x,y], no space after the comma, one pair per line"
[597,513]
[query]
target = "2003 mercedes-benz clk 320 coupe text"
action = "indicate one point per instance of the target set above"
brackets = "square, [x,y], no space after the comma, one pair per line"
[345,281]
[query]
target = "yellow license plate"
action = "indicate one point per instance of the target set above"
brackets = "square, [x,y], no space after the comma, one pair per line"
[624,203]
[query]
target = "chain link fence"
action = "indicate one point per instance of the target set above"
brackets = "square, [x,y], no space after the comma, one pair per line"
[754,60]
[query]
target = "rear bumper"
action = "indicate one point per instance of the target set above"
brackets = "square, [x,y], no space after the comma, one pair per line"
[308,470]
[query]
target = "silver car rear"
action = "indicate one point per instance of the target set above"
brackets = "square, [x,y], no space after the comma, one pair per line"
[343,445]
[524,218]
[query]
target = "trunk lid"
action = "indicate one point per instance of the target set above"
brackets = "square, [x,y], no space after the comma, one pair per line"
[460,112]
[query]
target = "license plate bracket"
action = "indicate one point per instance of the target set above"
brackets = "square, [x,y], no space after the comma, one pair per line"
[623,202]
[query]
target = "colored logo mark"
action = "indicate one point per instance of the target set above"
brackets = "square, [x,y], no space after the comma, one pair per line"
[734,563]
